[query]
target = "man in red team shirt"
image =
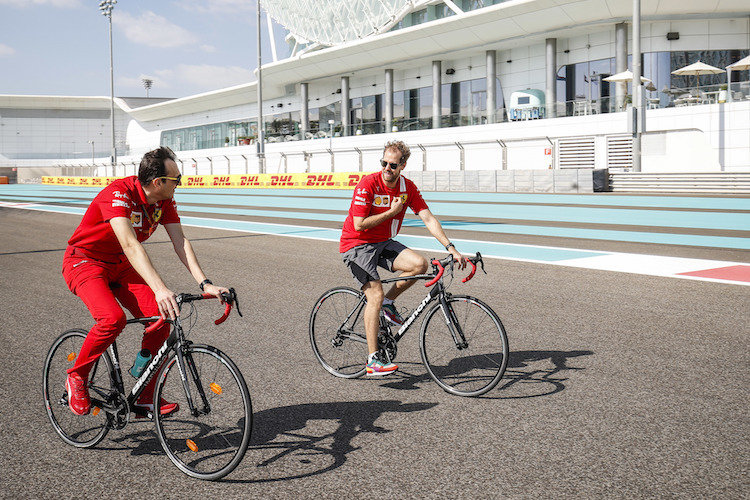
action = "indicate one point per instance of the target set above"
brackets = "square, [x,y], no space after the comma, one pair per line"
[374,219]
[106,263]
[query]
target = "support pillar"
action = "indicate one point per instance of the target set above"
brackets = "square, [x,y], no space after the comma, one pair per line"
[436,94]
[491,77]
[550,92]
[388,101]
[304,110]
[621,63]
[345,106]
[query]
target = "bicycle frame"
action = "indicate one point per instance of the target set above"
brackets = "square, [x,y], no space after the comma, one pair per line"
[175,342]
[437,291]
[106,403]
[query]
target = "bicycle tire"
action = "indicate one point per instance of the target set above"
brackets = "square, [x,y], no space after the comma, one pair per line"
[81,431]
[475,369]
[342,354]
[211,442]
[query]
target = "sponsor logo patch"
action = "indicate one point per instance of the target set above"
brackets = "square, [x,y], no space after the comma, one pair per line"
[382,201]
[136,219]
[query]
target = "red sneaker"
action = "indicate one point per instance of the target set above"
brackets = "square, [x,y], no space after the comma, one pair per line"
[165,408]
[78,394]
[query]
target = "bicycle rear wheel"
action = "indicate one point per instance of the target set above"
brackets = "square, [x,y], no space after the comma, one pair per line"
[81,431]
[209,441]
[464,369]
[337,332]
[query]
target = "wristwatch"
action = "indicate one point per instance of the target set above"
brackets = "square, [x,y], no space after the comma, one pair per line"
[204,283]
[450,244]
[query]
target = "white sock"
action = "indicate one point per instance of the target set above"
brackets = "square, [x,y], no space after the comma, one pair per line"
[369,358]
[387,301]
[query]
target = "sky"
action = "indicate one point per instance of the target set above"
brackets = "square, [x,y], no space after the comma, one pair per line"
[186,47]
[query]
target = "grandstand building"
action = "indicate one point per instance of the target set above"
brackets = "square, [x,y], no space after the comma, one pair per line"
[470,84]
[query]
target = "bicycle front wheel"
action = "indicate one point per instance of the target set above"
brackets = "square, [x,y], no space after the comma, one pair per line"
[209,434]
[81,431]
[337,332]
[469,358]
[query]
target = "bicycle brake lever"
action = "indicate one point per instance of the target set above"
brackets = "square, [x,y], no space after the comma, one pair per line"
[481,262]
[236,302]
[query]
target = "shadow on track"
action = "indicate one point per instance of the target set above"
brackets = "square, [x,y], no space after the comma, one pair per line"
[528,375]
[290,442]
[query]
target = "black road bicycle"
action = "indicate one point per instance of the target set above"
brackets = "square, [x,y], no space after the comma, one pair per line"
[462,341]
[209,434]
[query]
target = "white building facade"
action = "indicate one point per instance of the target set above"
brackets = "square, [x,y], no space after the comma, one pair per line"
[471,86]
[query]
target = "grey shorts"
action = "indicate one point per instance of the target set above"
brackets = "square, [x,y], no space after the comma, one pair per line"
[363,261]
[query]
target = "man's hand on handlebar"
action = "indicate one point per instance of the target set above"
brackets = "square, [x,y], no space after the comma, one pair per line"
[216,291]
[458,257]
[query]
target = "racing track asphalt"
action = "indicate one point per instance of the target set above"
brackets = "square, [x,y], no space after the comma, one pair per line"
[618,386]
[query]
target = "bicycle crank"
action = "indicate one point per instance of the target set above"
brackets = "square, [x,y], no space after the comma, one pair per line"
[388,346]
[118,411]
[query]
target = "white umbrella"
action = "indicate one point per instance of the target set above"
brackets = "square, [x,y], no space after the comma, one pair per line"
[697,69]
[740,65]
[625,76]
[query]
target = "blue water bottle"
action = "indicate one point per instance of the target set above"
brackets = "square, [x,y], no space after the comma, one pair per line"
[141,360]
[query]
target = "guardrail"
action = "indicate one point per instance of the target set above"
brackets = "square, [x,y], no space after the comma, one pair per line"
[684,182]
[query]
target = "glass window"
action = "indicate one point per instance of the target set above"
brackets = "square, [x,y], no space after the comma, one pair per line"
[399,109]
[442,11]
[418,17]
[425,102]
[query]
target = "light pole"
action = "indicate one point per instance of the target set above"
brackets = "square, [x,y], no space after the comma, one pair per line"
[92,152]
[330,135]
[259,85]
[147,83]
[106,7]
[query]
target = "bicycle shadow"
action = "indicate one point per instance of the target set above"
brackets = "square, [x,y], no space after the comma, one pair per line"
[298,441]
[293,442]
[528,374]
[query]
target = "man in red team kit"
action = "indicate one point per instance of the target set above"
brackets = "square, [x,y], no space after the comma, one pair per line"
[106,263]
[375,218]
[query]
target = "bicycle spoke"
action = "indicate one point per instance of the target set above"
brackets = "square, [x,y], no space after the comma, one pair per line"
[337,332]
[471,370]
[209,440]
[82,431]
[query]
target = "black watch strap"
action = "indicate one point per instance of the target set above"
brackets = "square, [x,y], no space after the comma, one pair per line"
[450,244]
[204,283]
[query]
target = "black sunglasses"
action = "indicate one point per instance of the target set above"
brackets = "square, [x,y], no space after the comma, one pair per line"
[393,166]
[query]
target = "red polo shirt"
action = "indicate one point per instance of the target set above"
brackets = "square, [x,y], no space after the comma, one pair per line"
[372,197]
[122,198]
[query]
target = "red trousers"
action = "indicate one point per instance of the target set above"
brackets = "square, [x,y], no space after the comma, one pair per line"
[101,281]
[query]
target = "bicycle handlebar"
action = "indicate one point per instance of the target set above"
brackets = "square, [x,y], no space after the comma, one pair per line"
[449,261]
[230,299]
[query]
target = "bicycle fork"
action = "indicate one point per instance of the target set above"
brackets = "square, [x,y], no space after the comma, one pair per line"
[185,360]
[454,326]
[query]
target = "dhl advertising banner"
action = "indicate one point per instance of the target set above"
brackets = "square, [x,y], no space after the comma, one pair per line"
[78,181]
[338,180]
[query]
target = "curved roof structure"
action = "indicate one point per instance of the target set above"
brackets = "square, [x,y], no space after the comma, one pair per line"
[333,22]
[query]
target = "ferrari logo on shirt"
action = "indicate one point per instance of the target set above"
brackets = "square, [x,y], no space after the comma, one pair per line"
[136,219]
[157,214]
[403,197]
